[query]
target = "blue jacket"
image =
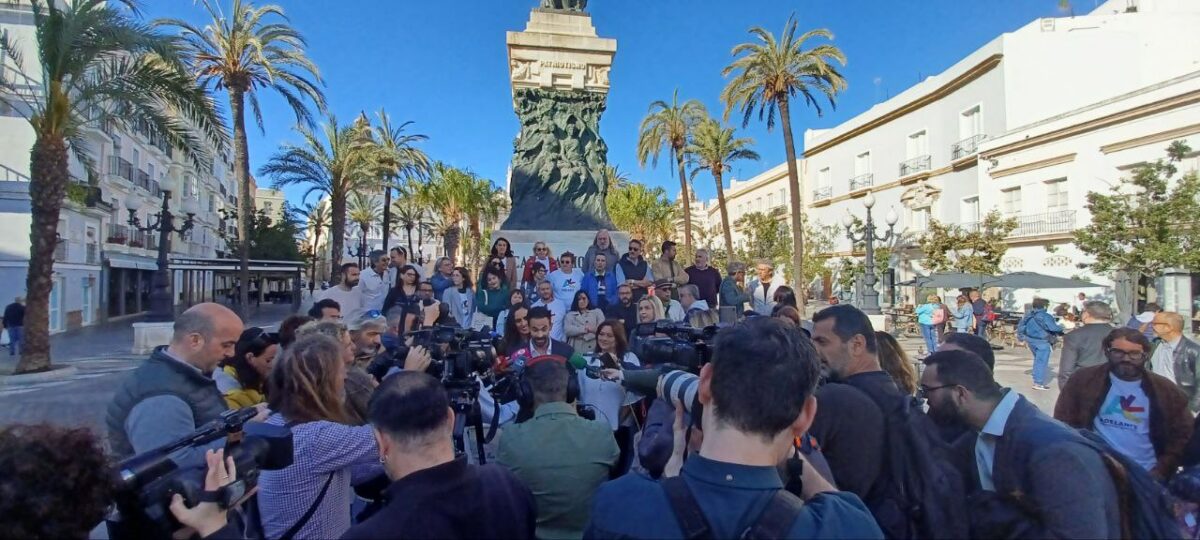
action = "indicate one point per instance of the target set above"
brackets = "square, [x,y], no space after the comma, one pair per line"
[962,317]
[1049,483]
[590,285]
[1037,325]
[925,312]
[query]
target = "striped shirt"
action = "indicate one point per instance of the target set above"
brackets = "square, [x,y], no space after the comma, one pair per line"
[319,449]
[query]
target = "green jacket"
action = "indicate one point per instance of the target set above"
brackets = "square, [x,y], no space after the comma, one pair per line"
[491,302]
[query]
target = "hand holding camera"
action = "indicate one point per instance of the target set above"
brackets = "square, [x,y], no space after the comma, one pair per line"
[207,517]
[417,359]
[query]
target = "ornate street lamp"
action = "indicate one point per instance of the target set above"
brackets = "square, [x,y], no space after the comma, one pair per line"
[361,251]
[869,294]
[162,306]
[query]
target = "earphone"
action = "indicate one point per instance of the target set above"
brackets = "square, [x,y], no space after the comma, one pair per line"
[525,391]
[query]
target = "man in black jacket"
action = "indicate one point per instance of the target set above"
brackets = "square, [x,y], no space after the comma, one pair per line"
[434,495]
[14,322]
[1082,346]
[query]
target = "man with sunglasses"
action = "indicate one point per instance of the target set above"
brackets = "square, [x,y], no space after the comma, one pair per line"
[1138,412]
[374,283]
[1174,356]
[634,270]
[567,279]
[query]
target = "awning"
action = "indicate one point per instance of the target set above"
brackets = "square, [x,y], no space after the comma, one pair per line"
[119,260]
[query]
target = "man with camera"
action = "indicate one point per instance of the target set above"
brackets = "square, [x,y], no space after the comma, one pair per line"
[433,494]
[561,456]
[173,392]
[757,397]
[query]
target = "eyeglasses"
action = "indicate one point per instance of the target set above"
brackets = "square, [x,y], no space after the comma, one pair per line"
[566,261]
[924,391]
[1120,355]
[634,250]
[541,249]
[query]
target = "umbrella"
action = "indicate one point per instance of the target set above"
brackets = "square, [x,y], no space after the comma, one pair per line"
[954,280]
[1034,280]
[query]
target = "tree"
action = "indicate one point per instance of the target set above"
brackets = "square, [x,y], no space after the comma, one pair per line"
[768,237]
[714,149]
[643,211]
[952,248]
[670,126]
[365,210]
[241,54]
[1148,222]
[767,75]
[457,196]
[97,65]
[409,210]
[335,163]
[399,160]
[270,239]
[317,220]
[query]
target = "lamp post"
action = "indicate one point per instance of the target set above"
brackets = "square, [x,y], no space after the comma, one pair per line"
[870,295]
[361,252]
[161,305]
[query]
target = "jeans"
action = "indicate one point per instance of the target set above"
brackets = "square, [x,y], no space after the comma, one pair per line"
[981,328]
[14,340]
[1041,360]
[929,333]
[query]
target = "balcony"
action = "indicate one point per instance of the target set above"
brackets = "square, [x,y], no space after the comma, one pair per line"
[142,179]
[915,165]
[152,241]
[119,167]
[823,193]
[137,239]
[862,181]
[60,251]
[223,192]
[117,234]
[966,147]
[8,174]
[155,188]
[93,254]
[1054,222]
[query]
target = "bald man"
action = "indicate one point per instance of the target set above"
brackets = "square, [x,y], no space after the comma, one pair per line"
[173,393]
[1175,356]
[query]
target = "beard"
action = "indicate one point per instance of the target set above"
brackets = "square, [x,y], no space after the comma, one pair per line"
[944,415]
[351,283]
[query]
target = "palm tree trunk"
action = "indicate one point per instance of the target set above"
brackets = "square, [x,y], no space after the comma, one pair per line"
[408,229]
[687,201]
[47,187]
[337,233]
[799,283]
[387,212]
[450,242]
[241,167]
[724,213]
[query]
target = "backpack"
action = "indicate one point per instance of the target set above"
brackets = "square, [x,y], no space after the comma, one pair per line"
[1147,510]
[939,315]
[921,494]
[775,521]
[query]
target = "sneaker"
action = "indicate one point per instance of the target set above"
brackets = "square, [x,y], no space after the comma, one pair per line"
[1040,387]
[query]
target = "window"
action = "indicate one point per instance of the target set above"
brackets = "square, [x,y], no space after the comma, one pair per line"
[824,178]
[862,164]
[212,202]
[136,158]
[970,210]
[1010,201]
[919,218]
[770,200]
[970,123]
[1056,195]
[783,198]
[917,145]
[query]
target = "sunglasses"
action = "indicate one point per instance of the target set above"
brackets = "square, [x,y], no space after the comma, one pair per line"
[255,333]
[541,249]
[566,261]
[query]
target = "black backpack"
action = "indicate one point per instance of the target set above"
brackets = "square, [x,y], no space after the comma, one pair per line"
[1146,507]
[774,522]
[921,494]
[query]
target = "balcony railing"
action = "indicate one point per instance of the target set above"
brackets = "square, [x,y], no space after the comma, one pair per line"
[137,239]
[119,167]
[60,251]
[143,180]
[967,146]
[862,181]
[155,188]
[823,193]
[915,165]
[152,241]
[93,254]
[1055,222]
[117,234]
[8,174]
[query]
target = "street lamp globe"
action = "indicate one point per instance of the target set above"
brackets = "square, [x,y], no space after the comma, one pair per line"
[891,218]
[169,183]
[869,200]
[190,206]
[847,220]
[133,201]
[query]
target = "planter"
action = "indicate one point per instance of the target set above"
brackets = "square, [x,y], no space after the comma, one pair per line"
[116,239]
[137,243]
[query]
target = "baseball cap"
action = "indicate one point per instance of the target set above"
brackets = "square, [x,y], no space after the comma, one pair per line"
[664,284]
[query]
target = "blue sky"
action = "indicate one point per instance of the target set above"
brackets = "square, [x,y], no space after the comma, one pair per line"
[442,64]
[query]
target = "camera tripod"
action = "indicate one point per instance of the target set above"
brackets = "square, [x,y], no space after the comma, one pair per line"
[464,400]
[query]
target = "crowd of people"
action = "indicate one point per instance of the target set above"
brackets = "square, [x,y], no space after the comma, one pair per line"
[789,428]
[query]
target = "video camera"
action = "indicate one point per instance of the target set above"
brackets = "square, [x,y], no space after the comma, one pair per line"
[145,483]
[684,346]
[457,354]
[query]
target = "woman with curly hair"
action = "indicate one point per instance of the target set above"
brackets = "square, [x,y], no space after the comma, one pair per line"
[895,362]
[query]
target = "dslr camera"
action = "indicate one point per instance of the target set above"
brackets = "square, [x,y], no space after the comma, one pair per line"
[146,482]
[456,353]
[683,347]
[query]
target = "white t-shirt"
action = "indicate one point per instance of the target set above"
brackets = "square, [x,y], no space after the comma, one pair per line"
[606,396]
[373,288]
[565,285]
[1124,421]
[350,301]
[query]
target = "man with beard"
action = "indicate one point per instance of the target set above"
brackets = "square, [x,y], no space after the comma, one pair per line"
[1031,476]
[849,425]
[346,293]
[623,309]
[1138,412]
[540,341]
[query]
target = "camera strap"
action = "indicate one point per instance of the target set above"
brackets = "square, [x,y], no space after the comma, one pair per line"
[308,514]
[775,520]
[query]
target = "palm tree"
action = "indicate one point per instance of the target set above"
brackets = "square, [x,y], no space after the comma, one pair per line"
[456,196]
[96,65]
[408,210]
[670,126]
[317,217]
[643,211]
[334,163]
[363,209]
[486,201]
[242,54]
[399,160]
[714,149]
[767,74]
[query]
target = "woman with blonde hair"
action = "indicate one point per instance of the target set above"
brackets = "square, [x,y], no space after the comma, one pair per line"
[650,309]
[895,362]
[311,497]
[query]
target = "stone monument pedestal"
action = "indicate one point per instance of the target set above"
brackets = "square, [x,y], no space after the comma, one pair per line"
[576,242]
[148,335]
